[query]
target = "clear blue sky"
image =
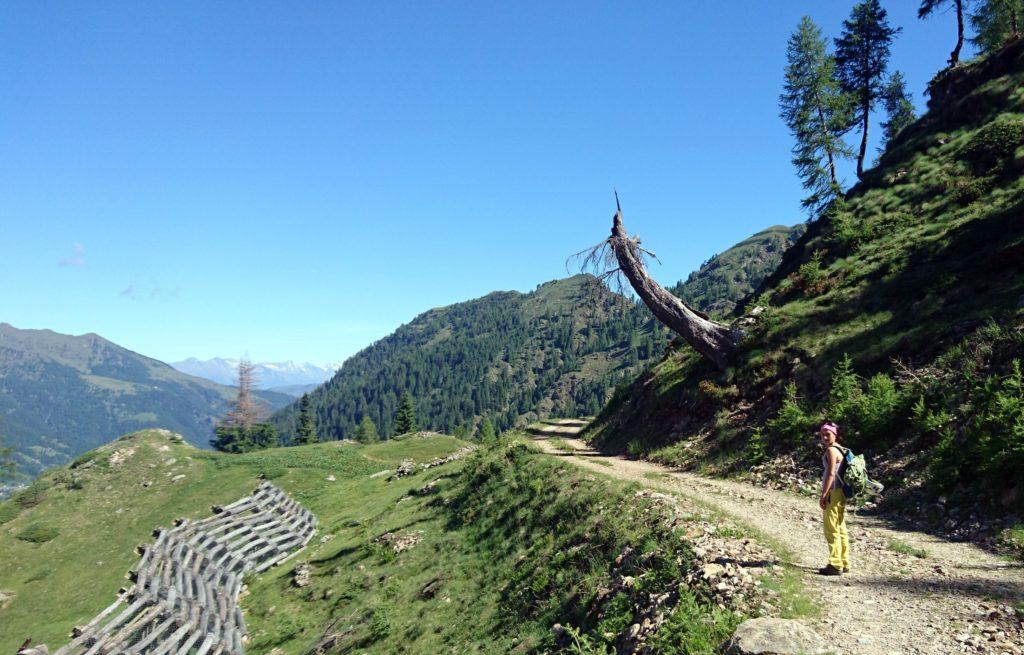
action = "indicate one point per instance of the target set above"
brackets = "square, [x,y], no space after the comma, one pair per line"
[295,180]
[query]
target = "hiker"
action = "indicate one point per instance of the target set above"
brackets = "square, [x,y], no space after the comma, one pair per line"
[833,502]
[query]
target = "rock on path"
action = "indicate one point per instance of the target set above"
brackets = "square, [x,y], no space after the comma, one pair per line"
[957,599]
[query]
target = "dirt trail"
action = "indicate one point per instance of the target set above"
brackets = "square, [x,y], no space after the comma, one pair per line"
[956,599]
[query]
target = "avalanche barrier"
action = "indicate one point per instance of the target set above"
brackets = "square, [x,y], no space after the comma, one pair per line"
[184,600]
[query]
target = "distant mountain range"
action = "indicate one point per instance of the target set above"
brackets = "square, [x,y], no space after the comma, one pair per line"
[61,395]
[290,378]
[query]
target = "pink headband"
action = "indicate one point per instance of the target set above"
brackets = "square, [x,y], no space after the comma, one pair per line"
[829,426]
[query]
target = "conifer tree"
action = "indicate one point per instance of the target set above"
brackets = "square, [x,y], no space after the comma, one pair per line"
[996,23]
[307,421]
[928,7]
[816,113]
[487,432]
[405,416]
[862,56]
[366,431]
[8,469]
[899,108]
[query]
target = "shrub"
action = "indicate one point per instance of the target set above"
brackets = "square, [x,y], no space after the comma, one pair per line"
[38,534]
[793,423]
[994,144]
[990,444]
[634,449]
[756,451]
[31,496]
[810,277]
[715,393]
[868,415]
[965,190]
[8,511]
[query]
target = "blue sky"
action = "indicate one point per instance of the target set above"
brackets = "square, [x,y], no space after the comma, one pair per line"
[296,180]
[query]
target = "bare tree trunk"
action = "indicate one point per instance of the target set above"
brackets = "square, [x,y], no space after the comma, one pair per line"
[954,57]
[713,340]
[863,139]
[828,151]
[244,412]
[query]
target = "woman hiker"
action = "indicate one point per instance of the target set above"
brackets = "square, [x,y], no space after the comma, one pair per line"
[833,502]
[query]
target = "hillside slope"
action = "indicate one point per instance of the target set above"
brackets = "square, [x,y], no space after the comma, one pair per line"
[507,536]
[61,395]
[511,356]
[726,278]
[899,314]
[514,357]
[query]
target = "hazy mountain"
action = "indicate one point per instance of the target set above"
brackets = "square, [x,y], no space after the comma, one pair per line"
[61,395]
[285,377]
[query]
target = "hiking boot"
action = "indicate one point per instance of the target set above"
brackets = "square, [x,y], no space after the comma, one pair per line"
[846,569]
[829,570]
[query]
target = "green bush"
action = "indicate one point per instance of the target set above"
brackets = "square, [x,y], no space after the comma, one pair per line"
[635,449]
[965,190]
[994,144]
[756,451]
[38,534]
[8,511]
[810,277]
[793,424]
[990,444]
[32,495]
[867,414]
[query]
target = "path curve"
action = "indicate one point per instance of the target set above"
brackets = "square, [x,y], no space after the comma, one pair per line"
[957,599]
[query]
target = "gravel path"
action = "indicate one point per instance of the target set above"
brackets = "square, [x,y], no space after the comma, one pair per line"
[956,599]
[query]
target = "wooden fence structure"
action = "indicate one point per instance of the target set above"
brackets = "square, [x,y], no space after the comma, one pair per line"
[184,600]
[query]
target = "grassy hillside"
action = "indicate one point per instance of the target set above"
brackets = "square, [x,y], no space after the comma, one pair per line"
[483,554]
[61,395]
[898,314]
[511,356]
[728,277]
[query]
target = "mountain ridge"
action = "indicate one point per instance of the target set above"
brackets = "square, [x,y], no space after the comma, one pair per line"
[61,395]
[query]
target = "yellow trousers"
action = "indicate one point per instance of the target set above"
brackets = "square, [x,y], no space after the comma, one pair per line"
[835,530]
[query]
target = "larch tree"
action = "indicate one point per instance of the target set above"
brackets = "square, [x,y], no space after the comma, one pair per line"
[996,23]
[366,431]
[899,108]
[928,7]
[862,56]
[405,415]
[816,112]
[307,421]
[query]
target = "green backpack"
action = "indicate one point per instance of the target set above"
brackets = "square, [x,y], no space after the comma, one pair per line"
[853,474]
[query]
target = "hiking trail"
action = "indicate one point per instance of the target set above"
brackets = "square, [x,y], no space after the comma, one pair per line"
[958,598]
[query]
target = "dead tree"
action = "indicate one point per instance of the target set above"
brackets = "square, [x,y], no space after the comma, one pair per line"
[620,254]
[244,412]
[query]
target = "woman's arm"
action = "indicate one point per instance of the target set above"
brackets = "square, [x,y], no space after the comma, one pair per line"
[830,476]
